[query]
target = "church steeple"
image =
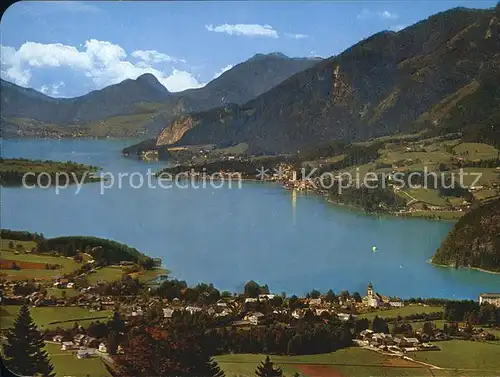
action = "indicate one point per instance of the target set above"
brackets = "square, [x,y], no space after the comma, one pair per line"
[370,290]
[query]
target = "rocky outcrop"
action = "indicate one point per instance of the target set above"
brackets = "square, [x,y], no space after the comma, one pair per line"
[175,130]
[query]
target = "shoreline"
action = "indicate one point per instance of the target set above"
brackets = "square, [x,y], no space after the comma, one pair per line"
[462,268]
[363,211]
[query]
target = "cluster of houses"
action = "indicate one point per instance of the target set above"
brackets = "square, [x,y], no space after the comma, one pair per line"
[490,298]
[63,283]
[397,344]
[85,346]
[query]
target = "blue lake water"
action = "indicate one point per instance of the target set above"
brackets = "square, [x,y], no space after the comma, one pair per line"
[293,242]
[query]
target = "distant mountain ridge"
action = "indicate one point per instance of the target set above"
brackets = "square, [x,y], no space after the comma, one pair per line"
[23,107]
[438,73]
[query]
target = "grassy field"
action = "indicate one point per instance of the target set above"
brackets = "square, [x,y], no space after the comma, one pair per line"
[37,261]
[27,245]
[428,196]
[488,176]
[461,354]
[107,274]
[44,316]
[149,275]
[58,292]
[404,311]
[352,362]
[476,151]
[67,364]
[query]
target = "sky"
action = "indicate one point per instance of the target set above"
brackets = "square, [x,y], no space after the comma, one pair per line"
[66,49]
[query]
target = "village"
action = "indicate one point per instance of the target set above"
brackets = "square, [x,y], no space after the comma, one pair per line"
[239,311]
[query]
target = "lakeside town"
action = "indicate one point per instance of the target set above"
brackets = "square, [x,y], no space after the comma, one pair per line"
[388,109]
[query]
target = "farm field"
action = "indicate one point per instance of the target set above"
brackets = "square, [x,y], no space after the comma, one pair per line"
[33,265]
[488,176]
[5,244]
[460,354]
[108,274]
[352,362]
[426,195]
[44,316]
[67,364]
[476,151]
[404,311]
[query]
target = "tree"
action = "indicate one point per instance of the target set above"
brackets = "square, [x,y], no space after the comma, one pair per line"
[360,325]
[116,324]
[330,296]
[155,352]
[112,342]
[379,325]
[428,328]
[315,293]
[267,369]
[357,297]
[213,369]
[24,349]
[344,295]
[252,289]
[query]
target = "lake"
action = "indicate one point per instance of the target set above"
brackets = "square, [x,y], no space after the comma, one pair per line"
[227,236]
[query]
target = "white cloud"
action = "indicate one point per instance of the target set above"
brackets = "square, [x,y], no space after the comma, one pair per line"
[397,27]
[153,56]
[52,55]
[180,79]
[296,36]
[248,30]
[103,62]
[385,14]
[52,90]
[225,69]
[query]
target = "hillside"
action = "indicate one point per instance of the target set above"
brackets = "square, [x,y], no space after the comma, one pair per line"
[19,102]
[100,248]
[249,79]
[137,107]
[474,240]
[433,74]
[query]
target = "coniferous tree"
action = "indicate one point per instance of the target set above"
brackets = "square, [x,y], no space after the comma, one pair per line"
[213,369]
[267,369]
[116,323]
[23,350]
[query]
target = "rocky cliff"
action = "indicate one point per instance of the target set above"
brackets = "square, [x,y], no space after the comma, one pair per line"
[175,131]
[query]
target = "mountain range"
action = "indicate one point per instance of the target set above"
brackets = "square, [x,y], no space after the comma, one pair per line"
[140,106]
[442,73]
